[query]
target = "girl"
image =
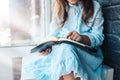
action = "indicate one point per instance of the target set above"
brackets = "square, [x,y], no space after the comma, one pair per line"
[78,20]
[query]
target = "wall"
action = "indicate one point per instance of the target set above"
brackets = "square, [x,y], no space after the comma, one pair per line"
[6,60]
[111,46]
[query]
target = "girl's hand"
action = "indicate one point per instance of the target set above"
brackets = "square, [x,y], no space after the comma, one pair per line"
[44,52]
[74,36]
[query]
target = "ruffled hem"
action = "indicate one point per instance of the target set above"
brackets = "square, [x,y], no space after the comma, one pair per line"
[67,66]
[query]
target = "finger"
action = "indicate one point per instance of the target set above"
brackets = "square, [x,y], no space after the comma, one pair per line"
[41,53]
[79,38]
[73,36]
[69,34]
[45,52]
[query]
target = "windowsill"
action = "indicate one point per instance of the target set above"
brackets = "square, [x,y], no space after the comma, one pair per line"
[21,43]
[17,46]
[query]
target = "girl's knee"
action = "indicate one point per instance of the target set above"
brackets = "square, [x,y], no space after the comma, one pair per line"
[70,76]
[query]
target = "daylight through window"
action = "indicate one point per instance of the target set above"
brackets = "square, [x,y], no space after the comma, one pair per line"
[22,22]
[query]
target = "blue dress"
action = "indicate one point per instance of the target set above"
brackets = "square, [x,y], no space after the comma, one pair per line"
[65,58]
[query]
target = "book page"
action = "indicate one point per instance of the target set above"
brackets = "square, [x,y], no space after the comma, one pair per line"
[49,39]
[64,39]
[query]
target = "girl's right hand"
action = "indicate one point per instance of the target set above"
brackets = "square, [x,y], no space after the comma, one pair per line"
[44,52]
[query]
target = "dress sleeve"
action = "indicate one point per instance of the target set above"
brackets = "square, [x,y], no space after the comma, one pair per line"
[95,34]
[54,31]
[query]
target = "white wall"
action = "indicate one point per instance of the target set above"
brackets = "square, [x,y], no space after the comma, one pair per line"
[6,55]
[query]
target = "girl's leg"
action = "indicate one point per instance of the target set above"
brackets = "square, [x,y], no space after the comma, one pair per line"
[70,77]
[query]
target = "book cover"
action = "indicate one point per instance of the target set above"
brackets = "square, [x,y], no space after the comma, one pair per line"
[48,43]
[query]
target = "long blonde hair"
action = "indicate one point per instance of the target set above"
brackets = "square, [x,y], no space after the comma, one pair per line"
[61,8]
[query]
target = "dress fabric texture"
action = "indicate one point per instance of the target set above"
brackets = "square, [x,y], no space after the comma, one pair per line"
[65,58]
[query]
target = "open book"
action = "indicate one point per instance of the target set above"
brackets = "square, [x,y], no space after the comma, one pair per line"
[54,40]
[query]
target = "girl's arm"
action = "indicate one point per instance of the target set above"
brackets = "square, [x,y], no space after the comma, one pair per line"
[96,35]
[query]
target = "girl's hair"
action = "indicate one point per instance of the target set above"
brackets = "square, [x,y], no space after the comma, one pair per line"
[61,8]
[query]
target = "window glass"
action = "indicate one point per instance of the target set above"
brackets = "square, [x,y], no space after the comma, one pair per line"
[23,22]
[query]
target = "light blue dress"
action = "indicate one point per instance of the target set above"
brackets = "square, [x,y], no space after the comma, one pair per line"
[65,58]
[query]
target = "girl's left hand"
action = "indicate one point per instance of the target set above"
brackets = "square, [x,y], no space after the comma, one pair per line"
[73,35]
[44,52]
